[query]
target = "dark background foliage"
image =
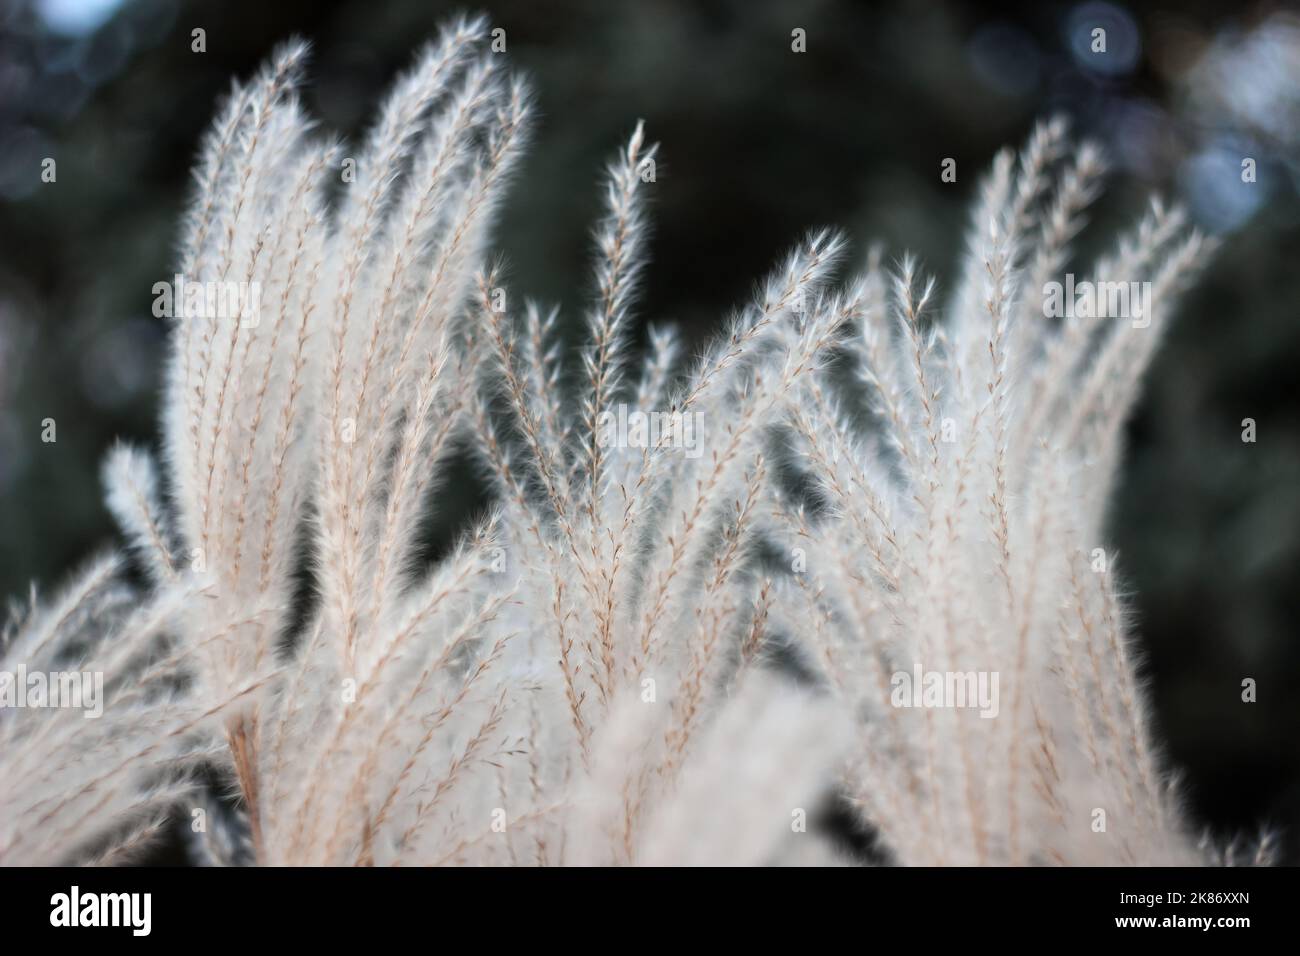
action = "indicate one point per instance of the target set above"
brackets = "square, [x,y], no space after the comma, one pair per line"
[758,145]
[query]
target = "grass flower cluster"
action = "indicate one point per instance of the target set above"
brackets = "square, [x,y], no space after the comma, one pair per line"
[659,646]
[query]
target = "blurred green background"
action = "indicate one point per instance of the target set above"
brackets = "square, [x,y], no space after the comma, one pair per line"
[758,144]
